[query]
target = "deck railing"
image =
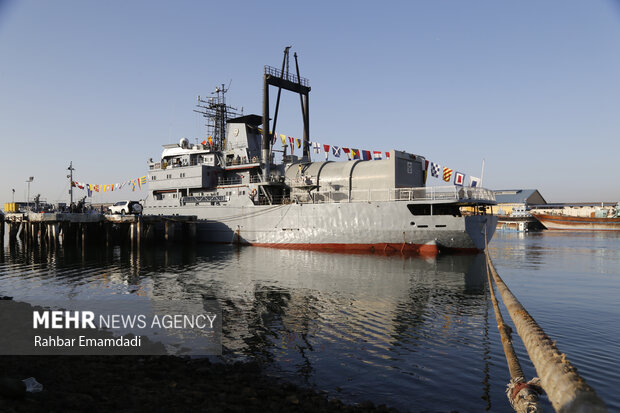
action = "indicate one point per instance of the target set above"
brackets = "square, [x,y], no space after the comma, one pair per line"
[190,200]
[270,70]
[229,181]
[442,193]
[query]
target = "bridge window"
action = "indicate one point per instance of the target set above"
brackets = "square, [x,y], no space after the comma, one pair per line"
[435,209]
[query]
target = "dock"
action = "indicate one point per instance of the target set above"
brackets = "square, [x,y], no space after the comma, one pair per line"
[82,229]
[524,223]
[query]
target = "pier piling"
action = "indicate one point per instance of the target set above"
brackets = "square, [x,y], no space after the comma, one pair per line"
[190,230]
[83,230]
[169,229]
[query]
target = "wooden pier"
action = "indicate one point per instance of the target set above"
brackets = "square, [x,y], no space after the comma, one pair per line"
[82,229]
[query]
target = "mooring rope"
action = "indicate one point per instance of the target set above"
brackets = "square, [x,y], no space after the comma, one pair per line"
[567,391]
[522,395]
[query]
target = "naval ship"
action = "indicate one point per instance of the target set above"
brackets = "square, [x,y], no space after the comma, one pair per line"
[243,191]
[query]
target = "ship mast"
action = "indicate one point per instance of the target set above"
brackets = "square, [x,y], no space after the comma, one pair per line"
[217,113]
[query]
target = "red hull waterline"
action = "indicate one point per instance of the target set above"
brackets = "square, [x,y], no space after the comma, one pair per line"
[379,248]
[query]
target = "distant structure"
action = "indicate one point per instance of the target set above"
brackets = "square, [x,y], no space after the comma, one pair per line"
[512,209]
[509,200]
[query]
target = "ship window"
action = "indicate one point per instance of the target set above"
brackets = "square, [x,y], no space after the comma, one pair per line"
[447,209]
[182,175]
[420,209]
[169,176]
[153,178]
[437,209]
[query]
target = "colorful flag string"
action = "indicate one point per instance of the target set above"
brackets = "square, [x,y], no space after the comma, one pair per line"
[91,188]
[436,170]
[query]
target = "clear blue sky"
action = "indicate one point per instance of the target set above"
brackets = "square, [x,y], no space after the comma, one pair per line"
[531,87]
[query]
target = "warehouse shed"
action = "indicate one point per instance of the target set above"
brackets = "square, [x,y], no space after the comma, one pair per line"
[509,199]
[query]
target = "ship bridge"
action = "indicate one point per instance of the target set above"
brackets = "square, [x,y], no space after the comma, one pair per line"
[243,140]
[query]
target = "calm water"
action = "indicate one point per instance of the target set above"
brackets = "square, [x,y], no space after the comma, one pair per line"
[416,334]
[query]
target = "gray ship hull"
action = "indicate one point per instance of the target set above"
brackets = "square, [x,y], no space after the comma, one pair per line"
[243,191]
[384,227]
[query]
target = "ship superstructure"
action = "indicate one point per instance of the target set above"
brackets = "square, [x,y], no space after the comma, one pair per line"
[241,195]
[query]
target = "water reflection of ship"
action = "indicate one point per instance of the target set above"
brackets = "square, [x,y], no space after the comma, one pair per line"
[248,279]
[283,296]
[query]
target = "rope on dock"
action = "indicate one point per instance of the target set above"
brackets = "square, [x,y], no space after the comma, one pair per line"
[522,395]
[567,391]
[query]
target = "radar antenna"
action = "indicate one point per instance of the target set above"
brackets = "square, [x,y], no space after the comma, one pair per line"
[217,113]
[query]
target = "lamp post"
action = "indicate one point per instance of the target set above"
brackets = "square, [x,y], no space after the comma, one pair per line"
[28,196]
[13,201]
[70,176]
